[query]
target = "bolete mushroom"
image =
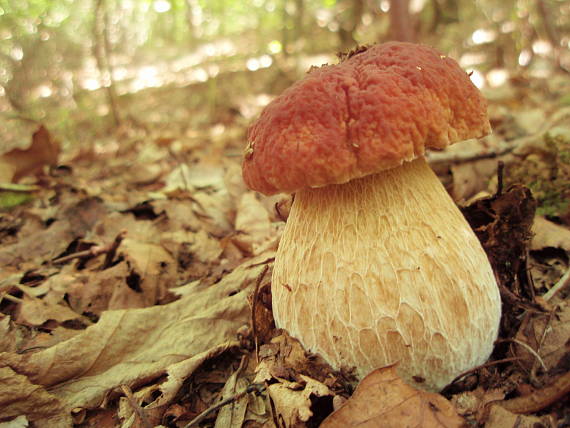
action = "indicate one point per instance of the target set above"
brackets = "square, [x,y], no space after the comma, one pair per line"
[376,264]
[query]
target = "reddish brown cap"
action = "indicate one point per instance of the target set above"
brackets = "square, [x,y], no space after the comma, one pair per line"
[373,111]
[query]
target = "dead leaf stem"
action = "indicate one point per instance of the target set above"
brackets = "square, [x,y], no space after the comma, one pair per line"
[136,407]
[561,284]
[254,387]
[528,348]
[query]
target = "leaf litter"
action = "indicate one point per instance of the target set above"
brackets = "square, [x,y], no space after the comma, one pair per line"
[135,289]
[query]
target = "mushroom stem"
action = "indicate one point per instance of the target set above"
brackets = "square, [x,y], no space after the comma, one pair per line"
[386,269]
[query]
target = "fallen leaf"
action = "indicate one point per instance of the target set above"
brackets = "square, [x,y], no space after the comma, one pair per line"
[549,234]
[18,163]
[383,399]
[502,418]
[133,347]
[70,223]
[232,415]
[294,401]
[252,223]
[19,396]
[7,335]
[36,312]
[549,337]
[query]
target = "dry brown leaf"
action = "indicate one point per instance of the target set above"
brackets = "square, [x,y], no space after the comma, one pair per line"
[470,178]
[133,347]
[7,335]
[70,223]
[252,223]
[233,415]
[293,400]
[549,337]
[473,404]
[383,399]
[35,312]
[18,163]
[502,418]
[18,396]
[548,234]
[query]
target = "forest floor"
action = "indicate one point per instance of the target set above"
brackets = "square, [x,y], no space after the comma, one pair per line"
[134,280]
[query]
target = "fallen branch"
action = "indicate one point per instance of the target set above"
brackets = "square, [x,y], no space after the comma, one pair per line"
[539,399]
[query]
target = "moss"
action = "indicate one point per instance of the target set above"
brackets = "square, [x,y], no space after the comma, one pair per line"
[546,171]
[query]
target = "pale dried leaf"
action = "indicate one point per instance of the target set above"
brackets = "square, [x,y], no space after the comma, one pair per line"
[502,418]
[135,346]
[553,334]
[252,223]
[18,396]
[383,399]
[549,234]
[470,178]
[293,400]
[19,422]
[35,312]
[7,335]
[232,415]
[19,163]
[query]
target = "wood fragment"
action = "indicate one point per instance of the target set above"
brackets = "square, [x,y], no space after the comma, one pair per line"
[109,249]
[539,399]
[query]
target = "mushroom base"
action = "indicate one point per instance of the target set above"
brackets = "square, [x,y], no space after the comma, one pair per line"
[386,269]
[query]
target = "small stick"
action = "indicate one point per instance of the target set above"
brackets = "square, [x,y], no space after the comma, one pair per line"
[138,409]
[528,348]
[113,249]
[540,343]
[563,282]
[253,307]
[500,172]
[254,387]
[540,398]
[95,251]
[11,298]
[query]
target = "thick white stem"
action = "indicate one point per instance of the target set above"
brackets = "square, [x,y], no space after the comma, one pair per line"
[385,269]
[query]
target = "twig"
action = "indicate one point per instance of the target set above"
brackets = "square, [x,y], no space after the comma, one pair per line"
[540,398]
[138,409]
[528,348]
[563,282]
[109,249]
[500,172]
[254,387]
[113,249]
[11,298]
[253,307]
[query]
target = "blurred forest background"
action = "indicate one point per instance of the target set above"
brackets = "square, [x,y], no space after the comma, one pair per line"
[141,256]
[85,67]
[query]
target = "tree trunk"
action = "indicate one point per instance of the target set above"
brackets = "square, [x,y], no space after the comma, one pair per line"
[401,26]
[102,50]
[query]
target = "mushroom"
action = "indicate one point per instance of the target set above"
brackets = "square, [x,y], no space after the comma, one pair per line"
[376,264]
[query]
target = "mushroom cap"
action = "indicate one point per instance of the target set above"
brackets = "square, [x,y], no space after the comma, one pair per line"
[374,110]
